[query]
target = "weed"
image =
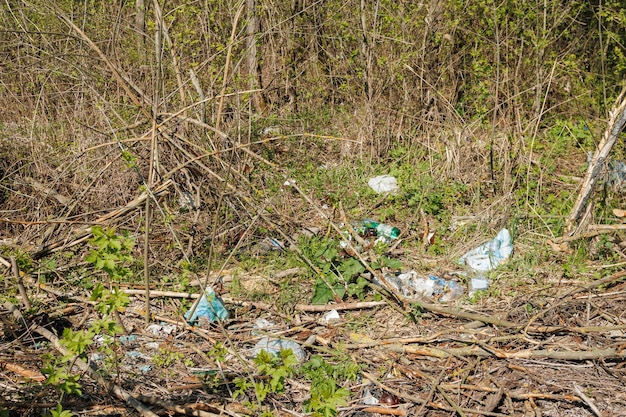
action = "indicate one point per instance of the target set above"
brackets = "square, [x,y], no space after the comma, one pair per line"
[166,357]
[277,368]
[111,255]
[326,395]
[58,411]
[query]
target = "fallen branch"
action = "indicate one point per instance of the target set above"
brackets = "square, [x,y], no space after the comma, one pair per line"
[385,411]
[93,374]
[479,351]
[587,400]
[265,306]
[617,119]
[81,235]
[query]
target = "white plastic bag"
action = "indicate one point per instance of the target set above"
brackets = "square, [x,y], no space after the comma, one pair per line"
[490,254]
[384,184]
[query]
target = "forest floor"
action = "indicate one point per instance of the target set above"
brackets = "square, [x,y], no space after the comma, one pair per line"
[546,338]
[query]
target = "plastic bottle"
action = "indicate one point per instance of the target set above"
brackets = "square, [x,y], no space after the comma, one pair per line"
[382,230]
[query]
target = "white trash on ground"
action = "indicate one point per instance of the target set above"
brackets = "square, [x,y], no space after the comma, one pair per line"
[331,316]
[490,254]
[478,284]
[383,184]
[411,285]
[274,345]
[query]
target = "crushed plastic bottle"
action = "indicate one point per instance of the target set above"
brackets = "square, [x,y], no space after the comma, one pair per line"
[478,284]
[275,346]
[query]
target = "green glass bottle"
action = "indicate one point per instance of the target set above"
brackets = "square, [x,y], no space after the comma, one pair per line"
[384,230]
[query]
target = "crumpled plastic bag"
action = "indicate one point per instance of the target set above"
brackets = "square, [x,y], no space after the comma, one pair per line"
[210,308]
[490,254]
[274,346]
[383,184]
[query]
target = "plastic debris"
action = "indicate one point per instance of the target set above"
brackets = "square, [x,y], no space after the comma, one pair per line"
[210,308]
[617,174]
[270,244]
[614,174]
[383,184]
[331,316]
[490,254]
[262,324]
[161,329]
[274,346]
[382,230]
[126,339]
[368,398]
[477,284]
[411,285]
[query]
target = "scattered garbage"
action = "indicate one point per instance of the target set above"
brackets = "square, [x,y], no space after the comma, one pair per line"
[274,345]
[127,339]
[368,398]
[209,308]
[389,399]
[134,357]
[270,244]
[384,184]
[490,254]
[478,284]
[186,202]
[161,329]
[331,316]
[615,173]
[411,285]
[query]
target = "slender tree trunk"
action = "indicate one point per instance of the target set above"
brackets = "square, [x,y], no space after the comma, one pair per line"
[254,72]
[140,21]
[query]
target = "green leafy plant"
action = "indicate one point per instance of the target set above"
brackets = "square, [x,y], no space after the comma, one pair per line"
[335,272]
[112,256]
[112,253]
[166,357]
[273,370]
[58,411]
[326,395]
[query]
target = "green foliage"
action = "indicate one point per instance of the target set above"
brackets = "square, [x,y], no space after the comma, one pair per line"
[109,301]
[58,411]
[337,271]
[61,378]
[218,352]
[326,395]
[112,253]
[166,357]
[277,368]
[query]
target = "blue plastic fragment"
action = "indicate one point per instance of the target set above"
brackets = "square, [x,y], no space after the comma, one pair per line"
[209,308]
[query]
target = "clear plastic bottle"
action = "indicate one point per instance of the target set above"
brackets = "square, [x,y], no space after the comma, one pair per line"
[384,230]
